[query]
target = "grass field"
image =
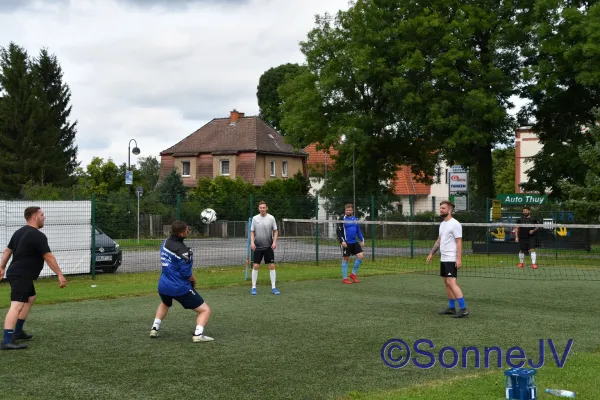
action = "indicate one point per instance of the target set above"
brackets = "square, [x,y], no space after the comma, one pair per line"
[318,340]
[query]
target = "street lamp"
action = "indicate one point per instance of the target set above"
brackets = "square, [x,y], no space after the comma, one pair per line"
[135,151]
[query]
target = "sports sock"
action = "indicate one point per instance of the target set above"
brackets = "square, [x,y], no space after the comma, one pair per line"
[19,327]
[521,257]
[451,303]
[533,257]
[344,269]
[461,303]
[357,263]
[156,323]
[254,277]
[8,334]
[199,330]
[273,275]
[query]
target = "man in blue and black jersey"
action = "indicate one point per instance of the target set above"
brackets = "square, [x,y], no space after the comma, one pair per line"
[348,233]
[177,282]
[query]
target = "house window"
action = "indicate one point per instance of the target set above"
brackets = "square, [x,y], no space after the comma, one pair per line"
[272,168]
[284,168]
[185,168]
[438,173]
[224,167]
[446,176]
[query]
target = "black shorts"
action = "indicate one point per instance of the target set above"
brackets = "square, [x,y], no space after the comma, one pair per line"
[526,244]
[448,269]
[190,301]
[21,289]
[268,254]
[351,249]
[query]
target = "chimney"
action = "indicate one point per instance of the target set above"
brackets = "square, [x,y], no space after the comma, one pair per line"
[234,116]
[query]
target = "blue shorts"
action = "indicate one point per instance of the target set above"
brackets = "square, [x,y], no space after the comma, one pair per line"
[190,301]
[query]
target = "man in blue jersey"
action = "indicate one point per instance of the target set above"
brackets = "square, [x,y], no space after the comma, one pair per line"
[177,282]
[348,233]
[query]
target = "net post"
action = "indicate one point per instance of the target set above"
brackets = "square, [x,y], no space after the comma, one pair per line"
[373,228]
[249,254]
[411,202]
[93,249]
[488,218]
[251,205]
[178,216]
[555,244]
[317,228]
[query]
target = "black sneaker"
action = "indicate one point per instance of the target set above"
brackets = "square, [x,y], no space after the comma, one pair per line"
[12,346]
[21,336]
[462,313]
[448,311]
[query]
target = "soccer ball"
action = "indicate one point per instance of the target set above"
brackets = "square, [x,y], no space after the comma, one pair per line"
[208,215]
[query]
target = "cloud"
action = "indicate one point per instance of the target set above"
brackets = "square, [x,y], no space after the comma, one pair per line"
[13,5]
[156,73]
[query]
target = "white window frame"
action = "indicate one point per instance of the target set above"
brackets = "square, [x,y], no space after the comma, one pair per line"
[189,163]
[228,167]
[273,168]
[284,168]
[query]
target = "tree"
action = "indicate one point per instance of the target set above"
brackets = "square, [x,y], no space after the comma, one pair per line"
[36,191]
[149,171]
[405,84]
[36,138]
[170,187]
[58,156]
[268,97]
[462,62]
[289,198]
[563,86]
[230,198]
[504,169]
[101,177]
[16,108]
[341,101]
[584,198]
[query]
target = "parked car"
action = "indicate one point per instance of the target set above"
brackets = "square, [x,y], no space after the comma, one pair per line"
[108,253]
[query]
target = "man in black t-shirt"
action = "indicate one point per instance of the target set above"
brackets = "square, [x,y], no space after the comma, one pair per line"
[29,249]
[526,237]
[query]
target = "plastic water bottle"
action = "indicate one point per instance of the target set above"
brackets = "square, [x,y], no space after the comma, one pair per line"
[561,393]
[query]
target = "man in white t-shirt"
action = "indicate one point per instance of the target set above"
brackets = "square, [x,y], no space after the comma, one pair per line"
[263,235]
[450,244]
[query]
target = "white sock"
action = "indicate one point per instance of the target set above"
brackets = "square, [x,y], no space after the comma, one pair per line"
[273,278]
[254,277]
[156,323]
[521,257]
[533,257]
[199,330]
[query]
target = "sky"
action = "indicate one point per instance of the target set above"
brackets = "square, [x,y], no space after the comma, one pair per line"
[157,70]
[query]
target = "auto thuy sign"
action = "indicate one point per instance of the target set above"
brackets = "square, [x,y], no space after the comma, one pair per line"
[522,199]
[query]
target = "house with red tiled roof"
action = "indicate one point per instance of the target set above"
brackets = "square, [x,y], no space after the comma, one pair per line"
[235,146]
[426,197]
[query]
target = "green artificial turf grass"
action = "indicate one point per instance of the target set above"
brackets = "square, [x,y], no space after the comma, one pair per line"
[318,339]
